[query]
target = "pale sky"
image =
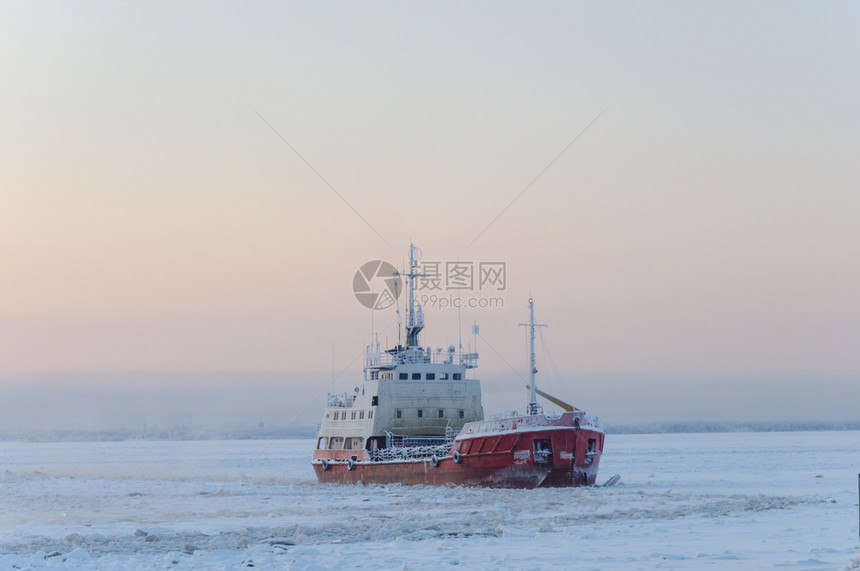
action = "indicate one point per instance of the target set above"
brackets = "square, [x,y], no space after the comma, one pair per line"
[699,240]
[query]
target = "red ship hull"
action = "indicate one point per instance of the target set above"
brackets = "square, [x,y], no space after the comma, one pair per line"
[517,452]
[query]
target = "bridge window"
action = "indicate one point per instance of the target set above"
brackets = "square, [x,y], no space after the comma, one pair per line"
[353,415]
[321,443]
[457,376]
[431,376]
[416,376]
[443,376]
[370,414]
[404,376]
[361,415]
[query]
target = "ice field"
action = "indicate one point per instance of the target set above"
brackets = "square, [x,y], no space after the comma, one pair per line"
[685,501]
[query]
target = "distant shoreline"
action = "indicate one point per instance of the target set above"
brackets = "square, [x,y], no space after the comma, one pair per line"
[698,427]
[176,433]
[180,433]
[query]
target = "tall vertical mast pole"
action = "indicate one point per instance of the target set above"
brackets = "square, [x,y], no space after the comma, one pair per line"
[532,369]
[410,319]
[534,407]
[415,315]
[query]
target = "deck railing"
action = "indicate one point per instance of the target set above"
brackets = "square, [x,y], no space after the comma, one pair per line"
[410,452]
[418,355]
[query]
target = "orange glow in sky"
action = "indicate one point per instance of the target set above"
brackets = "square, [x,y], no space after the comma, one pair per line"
[708,223]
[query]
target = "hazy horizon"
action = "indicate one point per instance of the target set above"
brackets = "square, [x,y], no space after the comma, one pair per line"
[191,187]
[106,401]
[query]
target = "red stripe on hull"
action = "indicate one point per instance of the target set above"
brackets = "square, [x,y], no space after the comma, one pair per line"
[448,473]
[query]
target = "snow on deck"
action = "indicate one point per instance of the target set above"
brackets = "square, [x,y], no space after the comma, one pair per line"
[540,422]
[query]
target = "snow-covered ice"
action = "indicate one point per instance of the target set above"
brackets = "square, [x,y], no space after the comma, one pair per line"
[685,501]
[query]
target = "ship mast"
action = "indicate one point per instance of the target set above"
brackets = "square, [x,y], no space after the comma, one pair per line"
[534,407]
[415,315]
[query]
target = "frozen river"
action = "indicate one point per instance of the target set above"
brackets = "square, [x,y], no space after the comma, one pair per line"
[685,501]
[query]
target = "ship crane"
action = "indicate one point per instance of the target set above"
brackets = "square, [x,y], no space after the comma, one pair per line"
[534,392]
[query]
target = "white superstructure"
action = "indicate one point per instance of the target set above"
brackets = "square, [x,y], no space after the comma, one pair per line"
[410,396]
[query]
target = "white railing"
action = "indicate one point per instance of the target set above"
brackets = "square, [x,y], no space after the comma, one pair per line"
[502,415]
[407,447]
[410,452]
[344,400]
[419,356]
